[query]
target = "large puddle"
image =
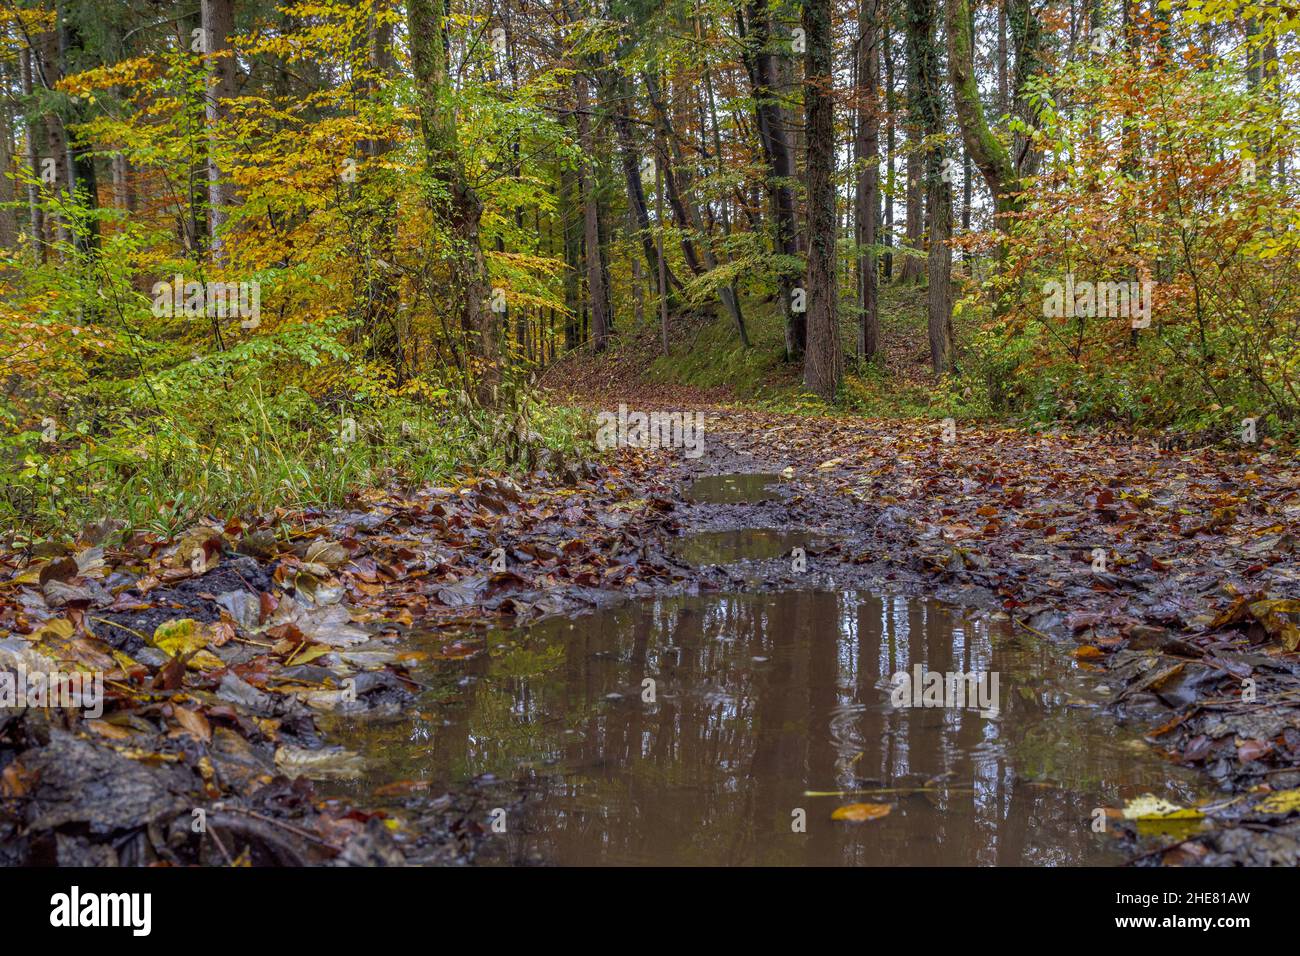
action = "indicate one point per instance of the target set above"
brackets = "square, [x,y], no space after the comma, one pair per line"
[765,710]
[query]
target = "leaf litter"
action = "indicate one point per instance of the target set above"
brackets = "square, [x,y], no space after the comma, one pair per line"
[222,647]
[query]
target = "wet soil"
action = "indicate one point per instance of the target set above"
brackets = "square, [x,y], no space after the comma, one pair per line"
[456,674]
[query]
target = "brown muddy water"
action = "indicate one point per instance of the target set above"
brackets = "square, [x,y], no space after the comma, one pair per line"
[734,489]
[740,544]
[765,709]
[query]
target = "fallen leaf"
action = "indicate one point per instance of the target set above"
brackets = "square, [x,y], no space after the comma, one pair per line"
[861,812]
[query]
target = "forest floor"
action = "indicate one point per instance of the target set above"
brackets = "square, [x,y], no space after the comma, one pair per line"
[228,651]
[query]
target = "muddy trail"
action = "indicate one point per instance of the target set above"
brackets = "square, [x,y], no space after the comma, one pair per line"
[663,658]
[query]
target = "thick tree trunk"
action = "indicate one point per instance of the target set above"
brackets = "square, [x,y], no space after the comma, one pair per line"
[824,355]
[923,52]
[867,156]
[762,69]
[57,188]
[939,268]
[912,270]
[458,205]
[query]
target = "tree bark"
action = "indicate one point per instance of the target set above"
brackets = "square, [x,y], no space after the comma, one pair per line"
[756,30]
[986,151]
[867,156]
[824,357]
[923,52]
[8,193]
[728,292]
[35,134]
[49,67]
[457,204]
[596,297]
[630,159]
[218,24]
[887,43]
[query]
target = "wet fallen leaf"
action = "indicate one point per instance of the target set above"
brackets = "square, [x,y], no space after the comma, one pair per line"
[194,723]
[1284,801]
[325,763]
[180,636]
[861,812]
[1150,807]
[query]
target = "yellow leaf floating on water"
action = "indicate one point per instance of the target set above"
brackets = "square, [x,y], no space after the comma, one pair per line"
[1284,801]
[1150,807]
[861,812]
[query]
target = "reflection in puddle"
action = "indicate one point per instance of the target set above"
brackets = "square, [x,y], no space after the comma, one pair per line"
[743,544]
[733,489]
[758,700]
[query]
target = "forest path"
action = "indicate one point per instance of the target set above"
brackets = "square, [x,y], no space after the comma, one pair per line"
[1171,574]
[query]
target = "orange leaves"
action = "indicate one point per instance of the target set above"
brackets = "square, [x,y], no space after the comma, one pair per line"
[861,812]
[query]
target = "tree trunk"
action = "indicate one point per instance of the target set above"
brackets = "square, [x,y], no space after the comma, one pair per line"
[630,158]
[728,292]
[598,302]
[761,66]
[571,199]
[48,64]
[385,321]
[923,52]
[916,194]
[457,204]
[824,356]
[669,157]
[867,156]
[1003,102]
[887,42]
[218,23]
[8,193]
[81,162]
[986,151]
[35,135]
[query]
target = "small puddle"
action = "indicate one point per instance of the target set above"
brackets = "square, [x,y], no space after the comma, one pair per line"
[733,489]
[766,707]
[742,544]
